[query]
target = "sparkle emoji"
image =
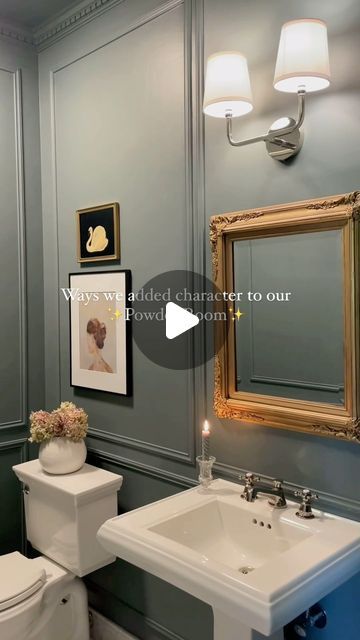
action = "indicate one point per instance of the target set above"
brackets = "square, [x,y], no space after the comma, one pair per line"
[237,315]
[115,315]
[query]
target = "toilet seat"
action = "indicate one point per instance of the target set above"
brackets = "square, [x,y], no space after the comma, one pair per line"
[20,578]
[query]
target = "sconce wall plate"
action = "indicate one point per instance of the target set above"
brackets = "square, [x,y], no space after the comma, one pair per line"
[293,142]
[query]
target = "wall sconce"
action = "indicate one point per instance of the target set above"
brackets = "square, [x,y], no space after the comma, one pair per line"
[302,66]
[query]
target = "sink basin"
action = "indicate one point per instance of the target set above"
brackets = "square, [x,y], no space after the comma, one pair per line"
[258,567]
[223,532]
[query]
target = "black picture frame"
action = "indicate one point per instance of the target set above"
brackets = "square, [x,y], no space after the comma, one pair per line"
[98,233]
[82,381]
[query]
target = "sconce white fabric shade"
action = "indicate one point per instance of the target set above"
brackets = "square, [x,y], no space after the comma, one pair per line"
[227,85]
[303,57]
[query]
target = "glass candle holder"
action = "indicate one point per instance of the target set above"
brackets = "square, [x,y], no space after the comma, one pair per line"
[205,475]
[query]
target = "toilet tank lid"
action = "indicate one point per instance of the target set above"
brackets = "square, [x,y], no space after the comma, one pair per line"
[88,481]
[19,579]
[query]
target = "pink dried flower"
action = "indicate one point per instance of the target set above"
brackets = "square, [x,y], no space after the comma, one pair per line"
[57,425]
[71,420]
[40,426]
[68,421]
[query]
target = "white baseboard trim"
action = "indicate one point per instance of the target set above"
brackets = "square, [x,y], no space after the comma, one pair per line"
[104,629]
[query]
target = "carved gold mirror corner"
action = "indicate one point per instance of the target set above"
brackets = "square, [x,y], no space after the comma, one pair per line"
[288,354]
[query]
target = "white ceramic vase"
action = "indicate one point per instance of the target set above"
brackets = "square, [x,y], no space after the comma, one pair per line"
[61,455]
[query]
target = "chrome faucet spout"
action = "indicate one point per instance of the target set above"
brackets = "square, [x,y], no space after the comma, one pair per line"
[253,486]
[278,500]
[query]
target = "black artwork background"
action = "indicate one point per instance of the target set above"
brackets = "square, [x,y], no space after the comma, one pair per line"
[103,217]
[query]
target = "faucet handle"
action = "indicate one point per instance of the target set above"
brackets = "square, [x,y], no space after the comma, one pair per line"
[307,496]
[277,484]
[250,478]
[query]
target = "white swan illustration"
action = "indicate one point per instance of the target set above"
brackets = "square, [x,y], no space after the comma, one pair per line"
[97,239]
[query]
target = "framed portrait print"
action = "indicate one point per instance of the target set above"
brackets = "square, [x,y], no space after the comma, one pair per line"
[98,233]
[100,332]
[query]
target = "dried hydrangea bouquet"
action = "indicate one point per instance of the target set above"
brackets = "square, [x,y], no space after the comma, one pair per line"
[61,436]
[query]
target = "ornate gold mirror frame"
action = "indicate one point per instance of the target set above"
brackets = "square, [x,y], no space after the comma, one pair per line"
[338,212]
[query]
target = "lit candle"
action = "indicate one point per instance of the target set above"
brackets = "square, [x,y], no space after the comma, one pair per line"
[205,441]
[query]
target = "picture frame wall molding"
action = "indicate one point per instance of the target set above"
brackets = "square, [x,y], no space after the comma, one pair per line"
[50,66]
[20,419]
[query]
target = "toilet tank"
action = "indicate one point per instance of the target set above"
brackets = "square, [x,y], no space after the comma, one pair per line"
[63,514]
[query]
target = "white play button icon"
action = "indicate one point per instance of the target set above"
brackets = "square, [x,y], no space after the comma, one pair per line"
[178,320]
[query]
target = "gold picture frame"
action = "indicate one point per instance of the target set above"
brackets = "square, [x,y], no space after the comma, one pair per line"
[336,212]
[98,233]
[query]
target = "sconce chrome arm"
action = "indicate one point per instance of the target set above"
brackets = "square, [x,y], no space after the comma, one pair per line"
[281,143]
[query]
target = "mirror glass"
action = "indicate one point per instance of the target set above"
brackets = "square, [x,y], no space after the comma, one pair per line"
[290,343]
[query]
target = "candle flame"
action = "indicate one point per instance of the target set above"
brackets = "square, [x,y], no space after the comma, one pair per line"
[206,425]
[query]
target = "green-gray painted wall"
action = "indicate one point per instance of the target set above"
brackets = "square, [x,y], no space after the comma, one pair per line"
[21,274]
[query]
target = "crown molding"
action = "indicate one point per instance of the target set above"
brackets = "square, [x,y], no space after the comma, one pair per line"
[17,33]
[67,22]
[59,26]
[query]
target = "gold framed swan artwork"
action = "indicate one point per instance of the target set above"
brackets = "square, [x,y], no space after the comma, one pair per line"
[98,233]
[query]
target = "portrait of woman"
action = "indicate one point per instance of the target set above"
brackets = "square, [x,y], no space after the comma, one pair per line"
[100,337]
[96,336]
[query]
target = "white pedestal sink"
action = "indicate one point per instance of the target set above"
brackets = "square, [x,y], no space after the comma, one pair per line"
[258,567]
[227,628]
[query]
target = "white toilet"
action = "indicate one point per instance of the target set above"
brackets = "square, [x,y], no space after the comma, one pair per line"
[44,598]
